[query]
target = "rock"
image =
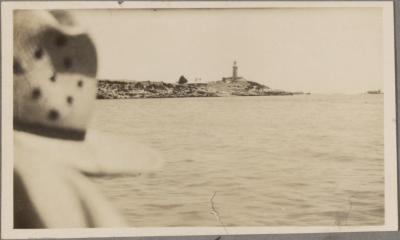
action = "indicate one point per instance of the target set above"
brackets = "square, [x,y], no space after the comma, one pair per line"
[146,89]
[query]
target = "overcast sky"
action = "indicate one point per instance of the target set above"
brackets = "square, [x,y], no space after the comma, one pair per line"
[326,50]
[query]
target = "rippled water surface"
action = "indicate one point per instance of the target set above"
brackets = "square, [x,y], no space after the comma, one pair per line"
[285,160]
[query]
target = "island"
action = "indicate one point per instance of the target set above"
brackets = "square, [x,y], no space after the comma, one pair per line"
[227,86]
[375,92]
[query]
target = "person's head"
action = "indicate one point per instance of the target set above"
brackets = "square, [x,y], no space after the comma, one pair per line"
[55,66]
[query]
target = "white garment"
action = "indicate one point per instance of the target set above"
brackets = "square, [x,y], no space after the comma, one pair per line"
[54,176]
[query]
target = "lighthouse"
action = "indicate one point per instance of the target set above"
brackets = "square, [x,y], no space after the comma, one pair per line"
[234,71]
[235,77]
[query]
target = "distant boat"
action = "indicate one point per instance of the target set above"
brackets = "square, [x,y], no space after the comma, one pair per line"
[375,92]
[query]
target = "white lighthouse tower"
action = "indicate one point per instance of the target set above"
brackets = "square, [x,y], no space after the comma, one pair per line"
[235,76]
[234,71]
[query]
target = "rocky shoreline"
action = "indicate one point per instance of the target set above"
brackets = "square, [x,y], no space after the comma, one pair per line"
[108,89]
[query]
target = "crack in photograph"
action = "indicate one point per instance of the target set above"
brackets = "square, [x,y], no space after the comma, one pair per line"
[201,117]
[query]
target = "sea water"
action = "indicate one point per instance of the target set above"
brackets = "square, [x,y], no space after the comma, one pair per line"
[301,160]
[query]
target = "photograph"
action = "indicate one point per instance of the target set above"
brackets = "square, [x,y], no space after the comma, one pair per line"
[197,118]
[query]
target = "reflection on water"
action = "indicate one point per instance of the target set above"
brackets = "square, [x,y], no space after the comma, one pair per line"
[287,160]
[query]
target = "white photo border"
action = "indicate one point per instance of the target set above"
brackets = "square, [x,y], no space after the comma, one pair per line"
[390,158]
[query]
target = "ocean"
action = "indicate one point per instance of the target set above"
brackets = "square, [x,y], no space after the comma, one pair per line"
[303,160]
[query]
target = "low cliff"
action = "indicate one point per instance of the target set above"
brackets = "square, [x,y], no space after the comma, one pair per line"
[146,89]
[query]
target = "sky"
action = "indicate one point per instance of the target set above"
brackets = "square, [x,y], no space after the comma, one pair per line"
[320,50]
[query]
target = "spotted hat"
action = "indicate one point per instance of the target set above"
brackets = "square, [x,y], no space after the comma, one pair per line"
[55,66]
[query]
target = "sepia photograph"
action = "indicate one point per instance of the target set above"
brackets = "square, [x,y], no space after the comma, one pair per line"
[197,118]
